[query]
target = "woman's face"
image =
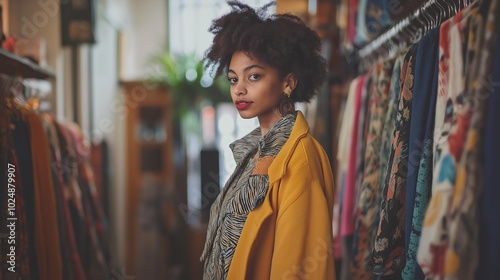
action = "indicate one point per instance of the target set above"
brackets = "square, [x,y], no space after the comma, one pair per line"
[256,88]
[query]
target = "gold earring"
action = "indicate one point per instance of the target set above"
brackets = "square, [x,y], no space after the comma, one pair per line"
[287,93]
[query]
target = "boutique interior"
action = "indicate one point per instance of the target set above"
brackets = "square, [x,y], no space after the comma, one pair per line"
[115,137]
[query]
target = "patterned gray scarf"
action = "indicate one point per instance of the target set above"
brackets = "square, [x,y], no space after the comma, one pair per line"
[245,190]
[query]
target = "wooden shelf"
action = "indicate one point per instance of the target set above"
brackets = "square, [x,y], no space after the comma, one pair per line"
[14,65]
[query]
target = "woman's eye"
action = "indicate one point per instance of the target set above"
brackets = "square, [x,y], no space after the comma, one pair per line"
[254,77]
[232,80]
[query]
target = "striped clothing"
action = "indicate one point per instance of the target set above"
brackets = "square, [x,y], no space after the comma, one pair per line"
[243,192]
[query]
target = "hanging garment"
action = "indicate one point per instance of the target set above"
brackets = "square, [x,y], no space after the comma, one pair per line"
[389,126]
[388,253]
[346,129]
[346,160]
[46,228]
[68,270]
[95,225]
[462,255]
[4,160]
[449,138]
[72,191]
[344,147]
[368,203]
[16,216]
[72,263]
[363,122]
[489,224]
[420,147]
[21,143]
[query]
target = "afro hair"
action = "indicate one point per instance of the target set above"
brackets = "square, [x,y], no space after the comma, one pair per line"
[282,41]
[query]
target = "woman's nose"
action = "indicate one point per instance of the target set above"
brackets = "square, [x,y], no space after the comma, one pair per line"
[239,89]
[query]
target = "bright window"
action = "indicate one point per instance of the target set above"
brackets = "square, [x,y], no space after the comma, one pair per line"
[189,21]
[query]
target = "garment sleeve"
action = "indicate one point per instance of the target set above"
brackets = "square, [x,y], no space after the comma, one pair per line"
[303,238]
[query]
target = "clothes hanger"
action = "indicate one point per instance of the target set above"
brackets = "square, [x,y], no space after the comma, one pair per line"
[428,21]
[455,8]
[422,25]
[441,11]
[437,13]
[8,86]
[452,9]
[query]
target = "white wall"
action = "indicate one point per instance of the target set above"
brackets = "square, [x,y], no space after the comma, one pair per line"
[148,35]
[104,90]
[142,25]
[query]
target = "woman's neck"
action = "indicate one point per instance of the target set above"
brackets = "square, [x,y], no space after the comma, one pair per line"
[267,122]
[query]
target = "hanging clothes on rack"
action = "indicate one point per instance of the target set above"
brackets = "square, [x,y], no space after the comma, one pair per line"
[61,231]
[22,149]
[431,185]
[388,251]
[460,249]
[73,268]
[46,226]
[418,184]
[367,204]
[344,148]
[16,215]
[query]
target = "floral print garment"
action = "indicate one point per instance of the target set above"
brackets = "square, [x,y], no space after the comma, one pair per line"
[388,252]
[364,121]
[369,198]
[389,125]
[462,255]
[448,146]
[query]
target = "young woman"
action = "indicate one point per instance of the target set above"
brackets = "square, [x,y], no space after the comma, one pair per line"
[272,220]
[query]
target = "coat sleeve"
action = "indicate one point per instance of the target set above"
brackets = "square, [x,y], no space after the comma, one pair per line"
[303,237]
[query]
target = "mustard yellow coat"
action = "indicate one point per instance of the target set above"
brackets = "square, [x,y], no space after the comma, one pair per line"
[289,236]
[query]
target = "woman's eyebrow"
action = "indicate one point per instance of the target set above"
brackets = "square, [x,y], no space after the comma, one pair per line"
[246,69]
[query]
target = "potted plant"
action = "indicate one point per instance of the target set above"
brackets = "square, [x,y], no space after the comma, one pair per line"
[189,82]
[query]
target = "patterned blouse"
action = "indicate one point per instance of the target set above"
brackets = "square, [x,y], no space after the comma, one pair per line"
[243,192]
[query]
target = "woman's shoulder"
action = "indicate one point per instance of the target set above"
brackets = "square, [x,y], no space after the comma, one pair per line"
[308,150]
[305,156]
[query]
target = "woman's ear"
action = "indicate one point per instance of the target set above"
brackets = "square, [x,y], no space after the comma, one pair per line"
[289,83]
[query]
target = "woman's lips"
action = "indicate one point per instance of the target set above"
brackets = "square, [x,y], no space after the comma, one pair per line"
[242,105]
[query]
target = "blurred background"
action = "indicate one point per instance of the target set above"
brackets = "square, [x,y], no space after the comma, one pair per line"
[137,133]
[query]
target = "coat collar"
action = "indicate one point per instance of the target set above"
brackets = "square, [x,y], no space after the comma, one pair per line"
[280,132]
[277,168]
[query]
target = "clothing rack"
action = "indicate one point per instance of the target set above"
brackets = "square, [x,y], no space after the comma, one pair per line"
[25,91]
[24,82]
[14,65]
[409,30]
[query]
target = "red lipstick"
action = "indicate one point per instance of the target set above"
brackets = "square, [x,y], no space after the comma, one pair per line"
[242,105]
